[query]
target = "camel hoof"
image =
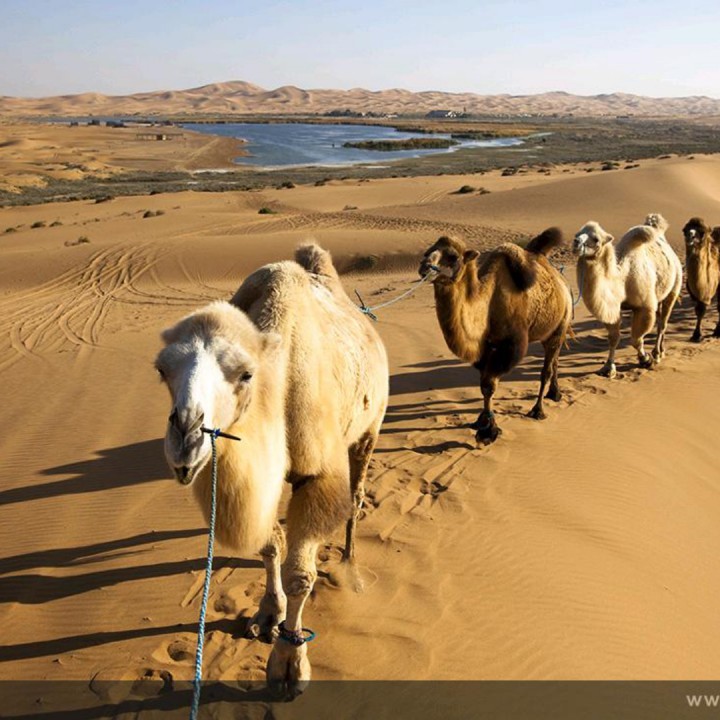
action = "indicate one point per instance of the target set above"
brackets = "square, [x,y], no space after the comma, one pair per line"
[554,395]
[537,413]
[609,371]
[645,362]
[697,337]
[264,624]
[288,670]
[487,431]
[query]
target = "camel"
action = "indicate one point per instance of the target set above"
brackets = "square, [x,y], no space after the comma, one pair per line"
[642,273]
[292,368]
[702,262]
[490,307]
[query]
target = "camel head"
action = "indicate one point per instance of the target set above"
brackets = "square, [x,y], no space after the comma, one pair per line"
[208,365]
[590,240]
[695,232]
[447,257]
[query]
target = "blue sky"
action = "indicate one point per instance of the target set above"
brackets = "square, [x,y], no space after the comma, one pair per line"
[656,47]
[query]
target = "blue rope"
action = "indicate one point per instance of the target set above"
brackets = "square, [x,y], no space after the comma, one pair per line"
[197,682]
[370,311]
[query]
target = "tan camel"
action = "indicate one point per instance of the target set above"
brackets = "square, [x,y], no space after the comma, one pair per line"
[294,369]
[491,307]
[642,273]
[702,264]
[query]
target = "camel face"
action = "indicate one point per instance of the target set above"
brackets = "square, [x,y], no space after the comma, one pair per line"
[695,232]
[210,383]
[446,258]
[589,240]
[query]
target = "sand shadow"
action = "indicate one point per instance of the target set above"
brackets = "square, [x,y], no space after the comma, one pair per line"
[112,468]
[38,589]
[71,643]
[88,554]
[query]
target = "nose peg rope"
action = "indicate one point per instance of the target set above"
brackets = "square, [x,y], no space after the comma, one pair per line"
[370,311]
[214,434]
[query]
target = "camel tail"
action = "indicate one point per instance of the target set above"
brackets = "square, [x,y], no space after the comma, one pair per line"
[315,260]
[522,272]
[657,221]
[546,241]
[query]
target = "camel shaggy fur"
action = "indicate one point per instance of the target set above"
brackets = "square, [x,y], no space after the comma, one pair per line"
[292,368]
[490,307]
[641,273]
[702,264]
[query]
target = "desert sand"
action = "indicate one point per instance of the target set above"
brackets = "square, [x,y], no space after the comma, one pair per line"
[30,153]
[581,547]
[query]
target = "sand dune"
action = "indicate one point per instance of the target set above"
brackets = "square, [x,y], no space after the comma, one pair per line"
[245,98]
[582,547]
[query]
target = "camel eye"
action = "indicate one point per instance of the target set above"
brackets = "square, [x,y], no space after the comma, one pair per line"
[246,377]
[452,257]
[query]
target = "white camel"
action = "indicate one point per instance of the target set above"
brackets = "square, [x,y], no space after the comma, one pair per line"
[641,273]
[292,368]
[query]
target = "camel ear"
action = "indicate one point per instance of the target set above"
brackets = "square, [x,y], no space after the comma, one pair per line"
[608,238]
[470,255]
[271,342]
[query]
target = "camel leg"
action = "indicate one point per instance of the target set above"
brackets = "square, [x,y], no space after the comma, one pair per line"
[716,332]
[700,310]
[359,456]
[314,512]
[666,307]
[486,428]
[537,412]
[608,369]
[642,322]
[288,667]
[273,605]
[554,393]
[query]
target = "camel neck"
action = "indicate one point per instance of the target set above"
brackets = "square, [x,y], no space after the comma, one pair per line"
[460,308]
[603,286]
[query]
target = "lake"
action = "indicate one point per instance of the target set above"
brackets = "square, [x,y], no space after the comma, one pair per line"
[286,144]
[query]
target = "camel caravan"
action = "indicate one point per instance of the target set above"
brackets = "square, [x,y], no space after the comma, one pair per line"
[291,368]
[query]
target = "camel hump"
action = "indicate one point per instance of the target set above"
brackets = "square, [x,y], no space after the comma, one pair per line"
[546,241]
[657,221]
[315,260]
[521,268]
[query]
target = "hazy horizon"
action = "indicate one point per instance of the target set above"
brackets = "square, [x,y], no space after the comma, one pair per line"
[656,49]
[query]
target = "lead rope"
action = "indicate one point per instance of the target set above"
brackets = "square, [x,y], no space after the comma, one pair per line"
[197,682]
[370,311]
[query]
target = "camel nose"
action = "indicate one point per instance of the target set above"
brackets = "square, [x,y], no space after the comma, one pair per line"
[186,421]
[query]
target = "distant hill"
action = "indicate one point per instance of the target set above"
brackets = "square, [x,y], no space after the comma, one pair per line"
[245,98]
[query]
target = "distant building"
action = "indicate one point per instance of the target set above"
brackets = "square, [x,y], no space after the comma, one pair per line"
[157,136]
[443,114]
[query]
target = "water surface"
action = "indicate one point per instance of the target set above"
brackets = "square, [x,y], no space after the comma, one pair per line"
[284,144]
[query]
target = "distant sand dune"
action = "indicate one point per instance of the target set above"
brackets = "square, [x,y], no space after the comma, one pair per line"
[245,98]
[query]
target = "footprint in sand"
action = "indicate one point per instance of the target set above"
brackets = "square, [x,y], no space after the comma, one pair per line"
[115,684]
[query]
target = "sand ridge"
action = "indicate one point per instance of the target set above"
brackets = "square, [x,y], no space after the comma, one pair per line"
[581,547]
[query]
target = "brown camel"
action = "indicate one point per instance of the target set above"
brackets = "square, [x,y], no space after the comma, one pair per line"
[702,264]
[293,369]
[491,307]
